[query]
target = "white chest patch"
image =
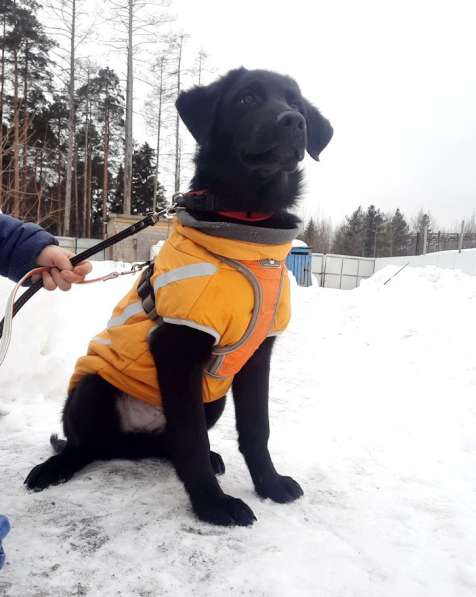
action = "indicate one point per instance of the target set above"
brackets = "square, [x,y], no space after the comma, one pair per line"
[137,415]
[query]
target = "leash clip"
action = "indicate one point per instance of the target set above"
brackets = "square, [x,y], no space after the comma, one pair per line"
[168,212]
[137,267]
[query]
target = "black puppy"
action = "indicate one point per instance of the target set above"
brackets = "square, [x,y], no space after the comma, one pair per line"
[252,128]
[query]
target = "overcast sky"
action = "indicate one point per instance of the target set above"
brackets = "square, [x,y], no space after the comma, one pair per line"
[396,78]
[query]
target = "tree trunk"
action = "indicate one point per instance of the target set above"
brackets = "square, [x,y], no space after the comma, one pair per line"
[177,121]
[86,169]
[25,123]
[39,177]
[90,198]
[105,182]
[76,197]
[71,127]
[59,198]
[16,142]
[2,87]
[159,125]
[129,114]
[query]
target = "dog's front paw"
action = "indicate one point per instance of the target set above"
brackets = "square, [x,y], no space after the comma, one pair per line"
[224,510]
[280,489]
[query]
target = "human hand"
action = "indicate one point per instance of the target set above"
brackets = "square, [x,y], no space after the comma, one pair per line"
[62,274]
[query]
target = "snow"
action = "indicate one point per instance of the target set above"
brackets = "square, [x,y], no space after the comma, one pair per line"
[373,411]
[299,243]
[464,261]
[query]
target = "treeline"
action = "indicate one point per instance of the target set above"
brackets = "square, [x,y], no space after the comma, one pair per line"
[67,154]
[373,233]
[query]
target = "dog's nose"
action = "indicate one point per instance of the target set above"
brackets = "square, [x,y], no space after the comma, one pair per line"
[291,120]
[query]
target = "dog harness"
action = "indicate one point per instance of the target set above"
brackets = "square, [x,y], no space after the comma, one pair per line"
[235,290]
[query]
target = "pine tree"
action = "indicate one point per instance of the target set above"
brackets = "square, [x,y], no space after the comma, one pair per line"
[339,243]
[399,234]
[117,200]
[317,235]
[310,235]
[422,220]
[104,93]
[143,177]
[373,231]
[354,233]
[24,79]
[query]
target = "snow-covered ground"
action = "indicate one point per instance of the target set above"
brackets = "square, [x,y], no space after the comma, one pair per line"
[373,410]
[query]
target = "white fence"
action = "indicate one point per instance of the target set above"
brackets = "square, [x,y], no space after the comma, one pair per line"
[76,245]
[341,271]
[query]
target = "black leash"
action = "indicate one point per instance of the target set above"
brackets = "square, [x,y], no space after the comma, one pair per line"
[198,200]
[149,220]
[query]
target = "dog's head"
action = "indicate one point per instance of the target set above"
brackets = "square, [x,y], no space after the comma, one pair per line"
[255,124]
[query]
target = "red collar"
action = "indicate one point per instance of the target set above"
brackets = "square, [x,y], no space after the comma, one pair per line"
[246,216]
[243,216]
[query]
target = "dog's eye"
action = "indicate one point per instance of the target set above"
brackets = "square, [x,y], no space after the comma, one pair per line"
[248,99]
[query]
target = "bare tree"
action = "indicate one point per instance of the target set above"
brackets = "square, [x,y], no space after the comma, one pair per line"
[129,141]
[73,24]
[139,26]
[161,69]
[470,224]
[202,56]
[86,215]
[5,18]
[179,53]
[71,121]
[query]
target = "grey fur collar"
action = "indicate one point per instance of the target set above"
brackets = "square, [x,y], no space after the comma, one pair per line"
[250,234]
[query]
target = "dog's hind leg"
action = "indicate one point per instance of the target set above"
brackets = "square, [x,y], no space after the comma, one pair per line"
[90,423]
[59,468]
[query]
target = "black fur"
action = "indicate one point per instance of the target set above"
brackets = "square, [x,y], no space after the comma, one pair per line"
[252,128]
[228,131]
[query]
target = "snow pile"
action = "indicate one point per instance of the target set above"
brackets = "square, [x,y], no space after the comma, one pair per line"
[373,410]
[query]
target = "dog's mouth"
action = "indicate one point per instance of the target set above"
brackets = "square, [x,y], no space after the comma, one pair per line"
[275,158]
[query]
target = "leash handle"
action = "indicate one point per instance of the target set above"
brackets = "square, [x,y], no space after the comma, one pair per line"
[6,337]
[9,312]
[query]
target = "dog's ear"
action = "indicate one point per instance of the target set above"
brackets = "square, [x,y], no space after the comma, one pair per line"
[319,130]
[197,107]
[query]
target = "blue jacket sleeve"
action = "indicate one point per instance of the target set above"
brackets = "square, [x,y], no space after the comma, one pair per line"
[20,245]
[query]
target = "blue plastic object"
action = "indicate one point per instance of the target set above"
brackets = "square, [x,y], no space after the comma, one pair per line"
[4,528]
[299,262]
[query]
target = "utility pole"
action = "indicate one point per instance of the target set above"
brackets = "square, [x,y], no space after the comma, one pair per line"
[425,239]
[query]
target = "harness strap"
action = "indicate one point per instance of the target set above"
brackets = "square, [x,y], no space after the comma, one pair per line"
[146,293]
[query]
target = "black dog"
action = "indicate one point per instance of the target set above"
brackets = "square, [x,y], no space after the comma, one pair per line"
[252,128]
